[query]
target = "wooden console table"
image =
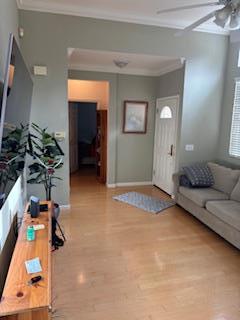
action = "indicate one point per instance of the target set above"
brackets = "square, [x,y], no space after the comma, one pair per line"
[19,300]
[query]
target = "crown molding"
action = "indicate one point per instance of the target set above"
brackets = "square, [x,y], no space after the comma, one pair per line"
[84,12]
[172,67]
[130,71]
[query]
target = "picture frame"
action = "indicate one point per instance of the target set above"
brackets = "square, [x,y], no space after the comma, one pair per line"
[135,117]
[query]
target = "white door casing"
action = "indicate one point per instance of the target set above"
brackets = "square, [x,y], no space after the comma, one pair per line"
[165,143]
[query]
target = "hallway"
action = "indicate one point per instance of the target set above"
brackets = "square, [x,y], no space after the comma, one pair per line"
[121,263]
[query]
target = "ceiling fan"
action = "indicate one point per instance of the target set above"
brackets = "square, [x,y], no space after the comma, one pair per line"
[228,15]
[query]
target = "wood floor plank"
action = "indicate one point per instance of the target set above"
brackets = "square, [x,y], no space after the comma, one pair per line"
[121,263]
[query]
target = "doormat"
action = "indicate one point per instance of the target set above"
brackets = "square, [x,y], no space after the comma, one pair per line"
[146,203]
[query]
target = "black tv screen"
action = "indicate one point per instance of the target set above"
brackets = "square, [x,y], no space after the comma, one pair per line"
[15,110]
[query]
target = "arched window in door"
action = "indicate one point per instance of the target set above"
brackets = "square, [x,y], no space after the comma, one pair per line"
[166,113]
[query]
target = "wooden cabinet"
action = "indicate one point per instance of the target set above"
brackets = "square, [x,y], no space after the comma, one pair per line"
[101,146]
[19,300]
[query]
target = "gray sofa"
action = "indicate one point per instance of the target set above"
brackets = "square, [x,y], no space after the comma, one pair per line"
[219,206]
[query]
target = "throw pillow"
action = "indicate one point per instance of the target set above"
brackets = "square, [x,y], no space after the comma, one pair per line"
[199,175]
[225,178]
[184,181]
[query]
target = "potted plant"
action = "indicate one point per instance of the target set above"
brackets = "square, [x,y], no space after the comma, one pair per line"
[47,158]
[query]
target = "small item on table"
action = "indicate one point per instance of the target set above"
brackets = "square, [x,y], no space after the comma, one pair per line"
[33,266]
[34,280]
[38,227]
[30,233]
[34,207]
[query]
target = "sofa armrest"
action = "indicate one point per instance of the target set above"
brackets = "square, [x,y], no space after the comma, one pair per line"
[176,180]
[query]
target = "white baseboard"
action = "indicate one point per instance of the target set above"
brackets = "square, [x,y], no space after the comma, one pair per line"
[65,207]
[130,184]
[111,185]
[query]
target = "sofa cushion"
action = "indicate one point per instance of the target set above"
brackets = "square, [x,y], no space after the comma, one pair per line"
[235,195]
[225,179]
[201,195]
[227,211]
[199,175]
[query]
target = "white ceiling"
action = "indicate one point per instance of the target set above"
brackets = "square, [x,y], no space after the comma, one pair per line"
[136,11]
[139,64]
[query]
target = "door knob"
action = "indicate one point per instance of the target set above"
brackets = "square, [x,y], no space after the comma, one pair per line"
[171,151]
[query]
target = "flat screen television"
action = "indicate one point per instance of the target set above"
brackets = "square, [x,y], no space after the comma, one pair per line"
[15,107]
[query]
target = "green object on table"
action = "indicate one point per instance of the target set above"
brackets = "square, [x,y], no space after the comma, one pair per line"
[30,233]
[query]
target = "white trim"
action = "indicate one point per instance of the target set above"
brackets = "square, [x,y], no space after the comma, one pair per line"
[169,97]
[134,184]
[113,16]
[176,162]
[130,184]
[111,185]
[172,67]
[133,71]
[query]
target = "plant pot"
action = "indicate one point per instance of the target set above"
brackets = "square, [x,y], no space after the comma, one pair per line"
[56,211]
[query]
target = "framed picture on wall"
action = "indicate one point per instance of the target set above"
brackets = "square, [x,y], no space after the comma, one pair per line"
[135,117]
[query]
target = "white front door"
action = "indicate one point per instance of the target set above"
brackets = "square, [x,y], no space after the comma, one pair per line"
[165,143]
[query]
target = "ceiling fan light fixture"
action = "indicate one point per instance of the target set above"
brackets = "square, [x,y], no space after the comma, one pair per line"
[121,63]
[237,11]
[223,14]
[220,23]
[235,4]
[234,22]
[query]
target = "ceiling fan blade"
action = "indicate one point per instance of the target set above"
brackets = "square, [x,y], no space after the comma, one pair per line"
[216,3]
[196,24]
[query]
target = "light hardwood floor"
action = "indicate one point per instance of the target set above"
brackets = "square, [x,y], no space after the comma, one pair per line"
[120,263]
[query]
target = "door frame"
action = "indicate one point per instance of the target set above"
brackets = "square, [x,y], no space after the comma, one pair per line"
[98,108]
[177,127]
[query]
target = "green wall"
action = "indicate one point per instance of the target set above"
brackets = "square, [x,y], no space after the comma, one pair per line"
[135,151]
[47,37]
[134,148]
[232,72]
[8,24]
[171,84]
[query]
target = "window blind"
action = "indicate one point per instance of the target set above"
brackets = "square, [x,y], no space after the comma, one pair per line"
[234,149]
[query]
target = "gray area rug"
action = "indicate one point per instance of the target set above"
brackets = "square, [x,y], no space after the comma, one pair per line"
[144,202]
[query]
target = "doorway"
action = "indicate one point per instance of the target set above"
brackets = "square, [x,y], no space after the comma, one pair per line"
[165,143]
[88,130]
[88,140]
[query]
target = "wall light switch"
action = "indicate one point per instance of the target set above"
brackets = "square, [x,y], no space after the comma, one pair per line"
[60,136]
[40,70]
[189,147]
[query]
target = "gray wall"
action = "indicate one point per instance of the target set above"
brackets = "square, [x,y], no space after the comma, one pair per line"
[232,72]
[133,148]
[8,24]
[135,151]
[47,37]
[201,110]
[171,84]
